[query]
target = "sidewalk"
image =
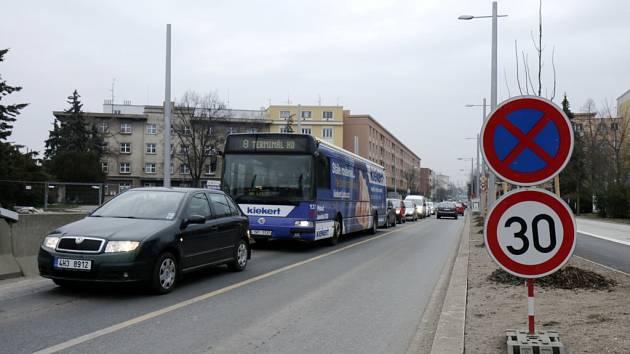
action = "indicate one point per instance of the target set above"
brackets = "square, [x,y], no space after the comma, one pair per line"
[614,232]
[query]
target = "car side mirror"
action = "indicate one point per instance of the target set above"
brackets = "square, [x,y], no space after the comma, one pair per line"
[194,219]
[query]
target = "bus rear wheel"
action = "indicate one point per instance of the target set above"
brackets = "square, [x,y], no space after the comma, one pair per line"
[372,230]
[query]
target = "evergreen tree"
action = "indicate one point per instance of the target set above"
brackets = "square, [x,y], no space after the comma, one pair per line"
[74,147]
[8,112]
[14,165]
[573,175]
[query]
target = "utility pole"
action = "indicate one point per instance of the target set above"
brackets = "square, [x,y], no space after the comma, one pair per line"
[167,111]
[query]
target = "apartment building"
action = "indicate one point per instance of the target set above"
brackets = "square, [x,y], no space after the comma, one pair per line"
[324,122]
[427,181]
[366,137]
[134,144]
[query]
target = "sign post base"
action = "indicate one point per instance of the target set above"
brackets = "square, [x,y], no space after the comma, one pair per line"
[543,342]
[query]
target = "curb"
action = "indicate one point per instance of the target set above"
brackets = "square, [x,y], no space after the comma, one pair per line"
[449,335]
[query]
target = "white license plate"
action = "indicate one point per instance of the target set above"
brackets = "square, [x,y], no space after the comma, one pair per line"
[261,232]
[78,264]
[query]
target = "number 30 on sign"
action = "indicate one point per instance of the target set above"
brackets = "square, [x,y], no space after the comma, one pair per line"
[530,233]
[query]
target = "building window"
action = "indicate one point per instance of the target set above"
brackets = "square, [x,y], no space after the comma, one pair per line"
[183,149]
[284,130]
[123,186]
[210,168]
[125,167]
[306,131]
[104,167]
[105,147]
[152,129]
[125,148]
[187,131]
[103,127]
[285,115]
[328,115]
[172,169]
[150,148]
[305,114]
[149,167]
[209,131]
[252,130]
[125,128]
[327,133]
[614,126]
[209,151]
[149,184]
[232,130]
[184,169]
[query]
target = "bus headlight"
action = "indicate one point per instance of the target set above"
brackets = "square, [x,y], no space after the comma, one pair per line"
[304,223]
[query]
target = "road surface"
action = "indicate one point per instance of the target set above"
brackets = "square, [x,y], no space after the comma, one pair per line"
[365,295]
[605,243]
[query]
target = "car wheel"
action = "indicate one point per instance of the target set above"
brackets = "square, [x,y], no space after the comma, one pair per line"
[336,233]
[239,261]
[165,273]
[455,217]
[438,216]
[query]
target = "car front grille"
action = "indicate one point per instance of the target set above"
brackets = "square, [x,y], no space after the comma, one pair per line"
[80,244]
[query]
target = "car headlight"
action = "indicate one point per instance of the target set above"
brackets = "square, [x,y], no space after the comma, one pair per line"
[51,242]
[304,223]
[121,246]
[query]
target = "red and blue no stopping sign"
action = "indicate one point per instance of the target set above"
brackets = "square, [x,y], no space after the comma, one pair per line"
[527,140]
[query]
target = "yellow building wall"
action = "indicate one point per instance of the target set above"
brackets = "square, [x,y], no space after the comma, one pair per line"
[316,123]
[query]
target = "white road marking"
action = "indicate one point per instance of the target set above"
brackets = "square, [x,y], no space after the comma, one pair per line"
[147,316]
[605,266]
[604,237]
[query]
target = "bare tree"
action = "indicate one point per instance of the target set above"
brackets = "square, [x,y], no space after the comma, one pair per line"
[198,140]
[411,178]
[539,48]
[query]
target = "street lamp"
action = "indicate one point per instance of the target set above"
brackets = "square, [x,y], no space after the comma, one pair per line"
[472,179]
[493,79]
[478,171]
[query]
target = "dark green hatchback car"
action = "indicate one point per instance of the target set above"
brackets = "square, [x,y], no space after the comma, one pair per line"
[150,235]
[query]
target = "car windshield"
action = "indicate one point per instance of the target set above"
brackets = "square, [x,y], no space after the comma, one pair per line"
[268,178]
[142,204]
[447,205]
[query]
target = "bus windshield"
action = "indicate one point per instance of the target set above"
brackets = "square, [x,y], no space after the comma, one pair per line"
[257,178]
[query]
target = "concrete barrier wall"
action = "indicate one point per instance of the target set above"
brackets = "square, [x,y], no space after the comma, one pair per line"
[19,242]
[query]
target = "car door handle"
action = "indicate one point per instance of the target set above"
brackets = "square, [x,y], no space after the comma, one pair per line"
[214,228]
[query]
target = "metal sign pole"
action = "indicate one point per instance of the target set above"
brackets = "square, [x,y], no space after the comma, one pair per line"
[530,306]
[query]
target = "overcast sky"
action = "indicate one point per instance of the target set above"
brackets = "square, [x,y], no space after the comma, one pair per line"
[410,64]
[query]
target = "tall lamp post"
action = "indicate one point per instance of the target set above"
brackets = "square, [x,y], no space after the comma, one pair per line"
[477,170]
[472,178]
[493,81]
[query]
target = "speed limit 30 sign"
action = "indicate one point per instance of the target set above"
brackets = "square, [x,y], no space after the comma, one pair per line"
[530,233]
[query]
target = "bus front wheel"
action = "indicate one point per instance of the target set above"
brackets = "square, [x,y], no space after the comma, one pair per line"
[336,233]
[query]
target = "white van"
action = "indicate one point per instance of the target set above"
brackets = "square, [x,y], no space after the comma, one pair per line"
[421,204]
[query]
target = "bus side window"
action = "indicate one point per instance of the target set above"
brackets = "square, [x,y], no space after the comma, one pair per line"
[323,172]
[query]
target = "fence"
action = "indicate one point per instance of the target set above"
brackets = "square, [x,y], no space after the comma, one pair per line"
[50,195]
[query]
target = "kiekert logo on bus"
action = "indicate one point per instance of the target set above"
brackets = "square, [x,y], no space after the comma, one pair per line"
[266,210]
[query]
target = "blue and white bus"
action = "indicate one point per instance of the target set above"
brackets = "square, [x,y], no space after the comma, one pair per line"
[294,186]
